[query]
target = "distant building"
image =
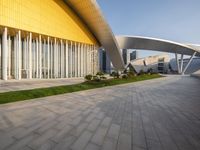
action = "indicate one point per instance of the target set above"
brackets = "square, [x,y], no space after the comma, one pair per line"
[105,62]
[128,55]
[158,63]
[133,55]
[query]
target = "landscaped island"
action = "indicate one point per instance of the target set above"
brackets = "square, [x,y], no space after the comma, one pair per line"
[92,82]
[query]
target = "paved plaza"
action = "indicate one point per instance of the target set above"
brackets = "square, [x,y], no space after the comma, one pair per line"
[159,114]
[24,84]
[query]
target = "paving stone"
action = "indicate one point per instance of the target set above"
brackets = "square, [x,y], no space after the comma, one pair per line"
[79,129]
[124,142]
[82,141]
[65,143]
[61,134]
[106,121]
[114,131]
[48,145]
[5,141]
[75,121]
[20,144]
[36,143]
[99,135]
[154,114]
[94,124]
[109,144]
[92,146]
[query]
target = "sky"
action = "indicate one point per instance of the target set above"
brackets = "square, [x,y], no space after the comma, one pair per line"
[176,20]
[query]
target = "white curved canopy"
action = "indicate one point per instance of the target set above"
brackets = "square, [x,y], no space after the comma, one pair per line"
[90,13]
[147,43]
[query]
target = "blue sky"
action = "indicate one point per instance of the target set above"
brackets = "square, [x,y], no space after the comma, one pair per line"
[177,20]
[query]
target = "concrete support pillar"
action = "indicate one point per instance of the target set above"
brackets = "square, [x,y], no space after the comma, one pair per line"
[4,54]
[190,60]
[66,60]
[30,56]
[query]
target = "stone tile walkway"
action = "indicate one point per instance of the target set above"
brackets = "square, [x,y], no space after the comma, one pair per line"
[24,84]
[160,114]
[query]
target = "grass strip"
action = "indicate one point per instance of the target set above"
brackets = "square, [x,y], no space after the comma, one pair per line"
[14,96]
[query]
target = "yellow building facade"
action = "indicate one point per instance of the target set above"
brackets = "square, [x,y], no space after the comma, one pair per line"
[44,39]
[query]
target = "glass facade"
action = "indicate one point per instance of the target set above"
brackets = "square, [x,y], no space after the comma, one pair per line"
[25,55]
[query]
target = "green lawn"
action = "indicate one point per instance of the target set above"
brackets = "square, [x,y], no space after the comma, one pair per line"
[14,96]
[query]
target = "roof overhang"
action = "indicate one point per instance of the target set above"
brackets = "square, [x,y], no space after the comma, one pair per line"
[90,13]
[147,43]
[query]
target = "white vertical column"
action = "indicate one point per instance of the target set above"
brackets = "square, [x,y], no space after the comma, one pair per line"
[19,55]
[66,60]
[40,56]
[4,54]
[181,69]
[71,65]
[55,56]
[30,56]
[15,56]
[56,59]
[9,57]
[189,62]
[51,61]
[86,58]
[90,61]
[34,58]
[177,62]
[75,59]
[27,57]
[61,59]
[78,60]
[37,58]
[81,59]
[48,57]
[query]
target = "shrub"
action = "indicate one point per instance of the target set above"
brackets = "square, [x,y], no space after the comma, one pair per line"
[100,74]
[96,78]
[88,77]
[131,74]
[150,71]
[102,77]
[124,76]
[115,74]
[141,72]
[112,74]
